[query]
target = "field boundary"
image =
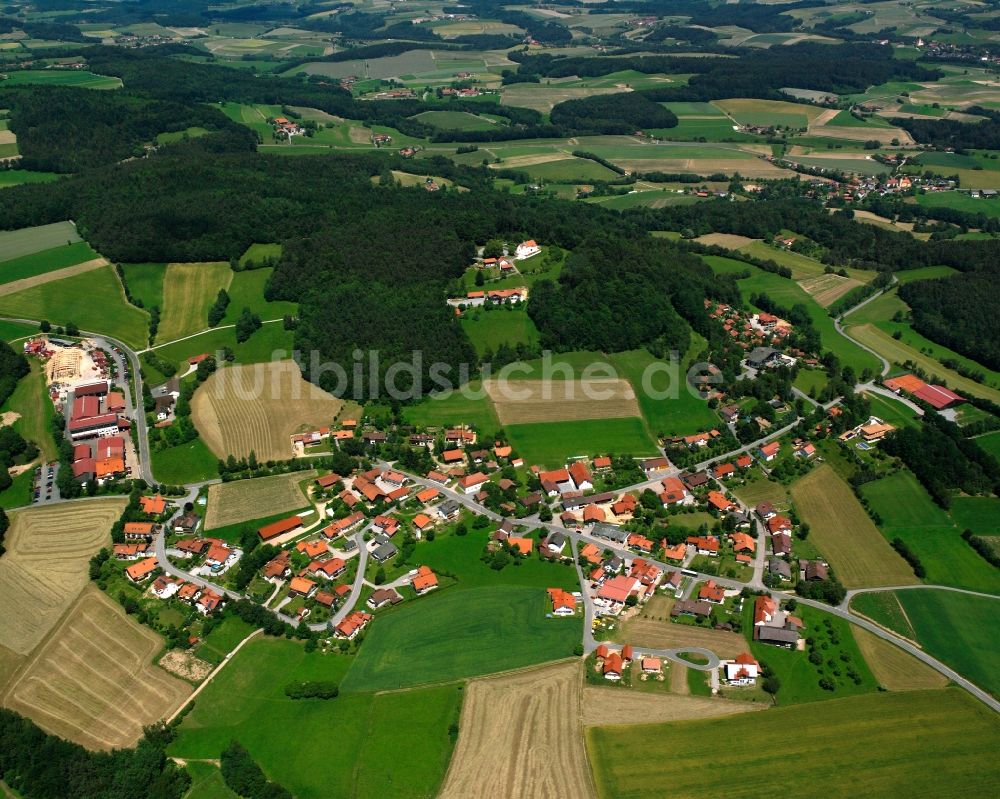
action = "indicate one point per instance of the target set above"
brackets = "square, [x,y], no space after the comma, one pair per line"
[50,277]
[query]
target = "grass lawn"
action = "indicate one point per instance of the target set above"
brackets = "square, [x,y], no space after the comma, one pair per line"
[459,556]
[188,463]
[455,409]
[959,629]
[927,272]
[908,512]
[31,400]
[960,201]
[799,677]
[145,283]
[461,634]
[885,744]
[40,263]
[979,514]
[883,607]
[811,381]
[683,412]
[247,291]
[551,443]
[223,639]
[11,331]
[758,488]
[891,411]
[487,330]
[395,744]
[259,348]
[94,301]
[15,177]
[18,493]
[258,252]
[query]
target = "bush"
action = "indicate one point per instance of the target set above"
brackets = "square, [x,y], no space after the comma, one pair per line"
[314,689]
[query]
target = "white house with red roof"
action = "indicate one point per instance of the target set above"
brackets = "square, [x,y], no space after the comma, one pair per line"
[526,249]
[744,670]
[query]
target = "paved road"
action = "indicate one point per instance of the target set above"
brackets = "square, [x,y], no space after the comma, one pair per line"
[837,323]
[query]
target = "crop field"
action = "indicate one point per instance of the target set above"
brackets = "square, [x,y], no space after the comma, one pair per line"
[455,120]
[395,744]
[256,407]
[652,628]
[827,289]
[527,727]
[845,535]
[45,566]
[895,669]
[908,512]
[979,514]
[79,79]
[454,408]
[15,243]
[898,352]
[188,292]
[606,706]
[94,301]
[529,401]
[46,261]
[243,500]
[551,443]
[49,276]
[543,98]
[74,685]
[961,630]
[572,168]
[460,634]
[396,66]
[883,608]
[769,112]
[878,745]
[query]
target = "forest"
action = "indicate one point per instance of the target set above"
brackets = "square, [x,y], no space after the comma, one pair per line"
[617,294]
[959,312]
[612,114]
[944,133]
[67,130]
[42,766]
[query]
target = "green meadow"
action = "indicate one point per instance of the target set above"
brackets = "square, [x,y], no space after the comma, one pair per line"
[396,744]
[15,177]
[961,630]
[187,463]
[94,301]
[15,243]
[44,261]
[882,744]
[551,443]
[79,79]
[488,330]
[460,634]
[907,512]
[455,409]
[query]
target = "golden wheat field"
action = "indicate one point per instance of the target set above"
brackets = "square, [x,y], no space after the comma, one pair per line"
[527,401]
[243,500]
[93,681]
[257,407]
[45,566]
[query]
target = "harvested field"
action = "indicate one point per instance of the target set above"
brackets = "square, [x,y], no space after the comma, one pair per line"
[893,668]
[651,628]
[528,401]
[94,681]
[45,566]
[243,500]
[521,161]
[747,167]
[678,677]
[256,407]
[544,98]
[48,277]
[521,736]
[188,292]
[728,240]
[827,289]
[605,706]
[845,535]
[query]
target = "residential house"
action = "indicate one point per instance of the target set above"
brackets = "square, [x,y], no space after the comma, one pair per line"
[742,542]
[301,586]
[768,452]
[563,602]
[705,544]
[165,587]
[350,627]
[331,568]
[383,596]
[526,249]
[651,466]
[208,601]
[689,607]
[154,506]
[580,476]
[612,667]
[743,670]
[186,523]
[781,544]
[721,502]
[447,510]
[138,531]
[813,570]
[723,470]
[384,549]
[422,522]
[343,526]
[695,481]
[611,533]
[710,592]
[473,482]
[651,665]
[613,594]
[424,580]
[279,567]
[555,543]
[312,549]
[779,568]
[427,495]
[138,572]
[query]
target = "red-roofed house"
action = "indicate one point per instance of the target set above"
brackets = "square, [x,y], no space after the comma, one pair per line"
[425,580]
[353,624]
[710,592]
[768,452]
[705,544]
[280,527]
[723,470]
[563,602]
[612,667]
[743,670]
[720,501]
[581,477]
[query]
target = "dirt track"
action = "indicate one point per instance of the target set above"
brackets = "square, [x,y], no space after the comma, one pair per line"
[30,282]
[521,736]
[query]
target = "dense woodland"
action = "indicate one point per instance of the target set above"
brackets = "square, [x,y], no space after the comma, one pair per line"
[42,766]
[612,114]
[616,294]
[959,312]
[944,133]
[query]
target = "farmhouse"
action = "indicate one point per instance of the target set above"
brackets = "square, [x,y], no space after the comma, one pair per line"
[526,249]
[652,465]
[281,527]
